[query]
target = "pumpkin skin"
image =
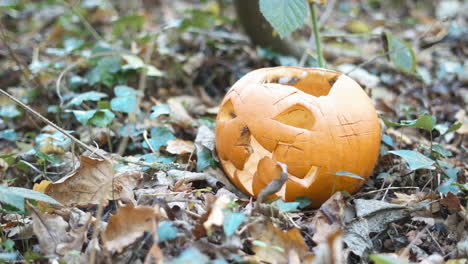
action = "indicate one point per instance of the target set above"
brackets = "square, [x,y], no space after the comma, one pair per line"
[315,121]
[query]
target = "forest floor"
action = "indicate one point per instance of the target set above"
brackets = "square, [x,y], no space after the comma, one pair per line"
[117,129]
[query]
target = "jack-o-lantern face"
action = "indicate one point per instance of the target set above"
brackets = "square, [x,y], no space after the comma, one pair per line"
[315,121]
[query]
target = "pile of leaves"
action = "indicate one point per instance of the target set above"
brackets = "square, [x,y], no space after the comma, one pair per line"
[138,85]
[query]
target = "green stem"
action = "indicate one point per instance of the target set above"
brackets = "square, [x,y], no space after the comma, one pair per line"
[318,45]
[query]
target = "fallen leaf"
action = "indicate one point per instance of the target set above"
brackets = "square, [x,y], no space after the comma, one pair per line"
[273,245]
[179,114]
[373,216]
[216,217]
[179,146]
[57,236]
[94,181]
[127,225]
[329,218]
[452,202]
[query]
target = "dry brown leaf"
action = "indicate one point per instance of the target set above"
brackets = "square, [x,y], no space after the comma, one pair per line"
[328,219]
[216,217]
[452,202]
[127,225]
[57,236]
[179,146]
[94,181]
[180,115]
[409,199]
[278,246]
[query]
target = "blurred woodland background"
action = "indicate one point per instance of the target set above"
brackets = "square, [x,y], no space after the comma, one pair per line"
[129,174]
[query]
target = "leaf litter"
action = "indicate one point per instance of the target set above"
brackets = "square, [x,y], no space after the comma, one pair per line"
[140,207]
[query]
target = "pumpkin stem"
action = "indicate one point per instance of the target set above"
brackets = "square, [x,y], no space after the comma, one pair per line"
[318,45]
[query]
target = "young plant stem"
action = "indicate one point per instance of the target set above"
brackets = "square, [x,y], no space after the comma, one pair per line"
[318,45]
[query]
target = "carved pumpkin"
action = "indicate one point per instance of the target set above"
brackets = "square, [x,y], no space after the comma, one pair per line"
[315,121]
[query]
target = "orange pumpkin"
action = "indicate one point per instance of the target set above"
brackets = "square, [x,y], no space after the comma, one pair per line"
[318,122]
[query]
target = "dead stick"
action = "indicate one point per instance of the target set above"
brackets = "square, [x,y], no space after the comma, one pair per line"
[63,131]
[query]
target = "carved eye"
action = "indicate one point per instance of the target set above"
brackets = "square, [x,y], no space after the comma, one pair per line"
[227,112]
[297,116]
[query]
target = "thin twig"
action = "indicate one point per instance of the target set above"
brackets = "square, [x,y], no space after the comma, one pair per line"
[61,130]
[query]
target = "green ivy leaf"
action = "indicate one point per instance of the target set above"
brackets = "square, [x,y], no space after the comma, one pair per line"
[400,53]
[303,201]
[71,44]
[232,221]
[158,110]
[414,159]
[8,134]
[105,71]
[102,118]
[126,100]
[83,116]
[284,15]
[424,121]
[9,111]
[159,137]
[88,96]
[15,196]
[349,174]
[454,127]
[204,159]
[285,207]
[166,231]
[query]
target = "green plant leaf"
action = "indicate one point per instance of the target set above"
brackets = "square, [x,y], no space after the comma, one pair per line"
[8,256]
[8,134]
[15,196]
[454,127]
[303,201]
[232,221]
[424,121]
[83,116]
[126,100]
[88,96]
[286,207]
[166,231]
[9,111]
[284,15]
[400,53]
[105,71]
[102,118]
[162,109]
[159,137]
[204,159]
[381,259]
[349,174]
[414,159]
[441,150]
